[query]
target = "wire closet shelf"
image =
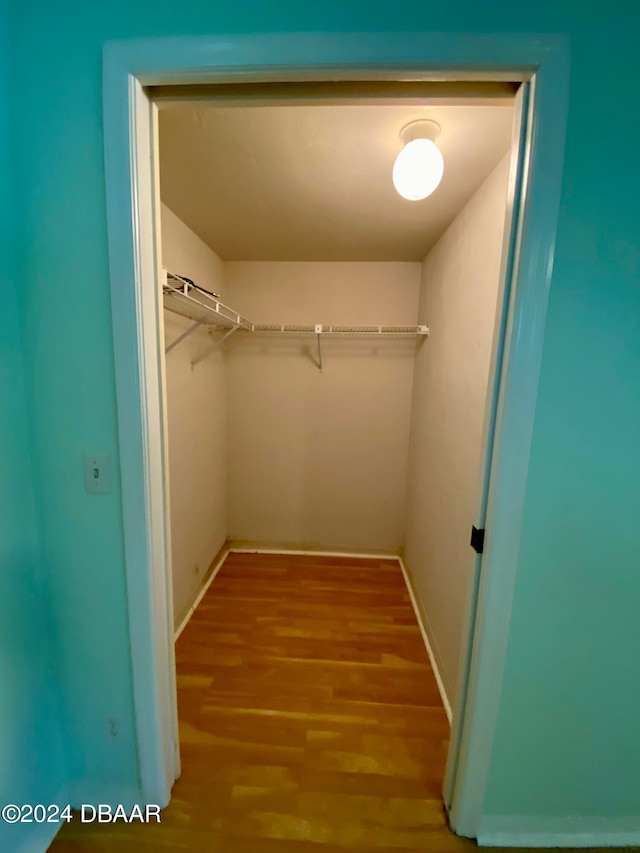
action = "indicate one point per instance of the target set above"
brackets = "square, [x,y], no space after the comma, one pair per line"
[182,296]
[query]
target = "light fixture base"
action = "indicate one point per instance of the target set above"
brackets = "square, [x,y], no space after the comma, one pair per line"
[421,129]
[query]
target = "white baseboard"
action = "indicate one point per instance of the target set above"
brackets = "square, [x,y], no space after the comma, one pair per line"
[222,556]
[425,636]
[530,831]
[318,552]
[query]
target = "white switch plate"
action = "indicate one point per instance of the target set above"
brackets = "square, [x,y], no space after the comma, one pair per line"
[96,473]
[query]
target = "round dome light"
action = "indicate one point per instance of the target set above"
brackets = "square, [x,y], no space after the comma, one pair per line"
[418,169]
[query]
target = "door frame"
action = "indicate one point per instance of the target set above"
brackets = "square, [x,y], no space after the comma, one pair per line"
[131,173]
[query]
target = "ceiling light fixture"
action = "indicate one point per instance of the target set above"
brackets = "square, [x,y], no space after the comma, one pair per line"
[419,166]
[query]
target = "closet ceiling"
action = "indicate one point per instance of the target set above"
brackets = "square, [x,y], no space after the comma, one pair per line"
[313,183]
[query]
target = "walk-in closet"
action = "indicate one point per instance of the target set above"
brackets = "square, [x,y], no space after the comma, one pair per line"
[330,349]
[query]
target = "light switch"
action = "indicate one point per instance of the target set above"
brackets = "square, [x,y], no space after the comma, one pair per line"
[96,473]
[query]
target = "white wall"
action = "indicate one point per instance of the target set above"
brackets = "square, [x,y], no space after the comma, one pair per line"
[320,459]
[458,300]
[196,401]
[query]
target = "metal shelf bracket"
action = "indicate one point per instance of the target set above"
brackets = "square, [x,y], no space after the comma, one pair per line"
[184,335]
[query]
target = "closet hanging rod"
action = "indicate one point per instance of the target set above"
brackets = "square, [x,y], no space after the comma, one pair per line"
[380,330]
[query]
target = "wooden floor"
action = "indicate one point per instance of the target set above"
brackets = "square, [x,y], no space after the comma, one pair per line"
[310,719]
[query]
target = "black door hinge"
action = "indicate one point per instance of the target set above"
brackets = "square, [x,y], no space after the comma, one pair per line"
[477,539]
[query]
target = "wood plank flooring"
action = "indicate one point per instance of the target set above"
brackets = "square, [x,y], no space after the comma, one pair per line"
[310,718]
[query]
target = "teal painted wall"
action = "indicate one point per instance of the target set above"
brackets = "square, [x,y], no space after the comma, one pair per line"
[567,741]
[568,725]
[31,767]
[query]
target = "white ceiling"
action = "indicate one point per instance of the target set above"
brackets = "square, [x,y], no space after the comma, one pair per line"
[313,183]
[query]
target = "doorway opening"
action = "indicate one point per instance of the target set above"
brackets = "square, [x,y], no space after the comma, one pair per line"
[331,352]
[132,162]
